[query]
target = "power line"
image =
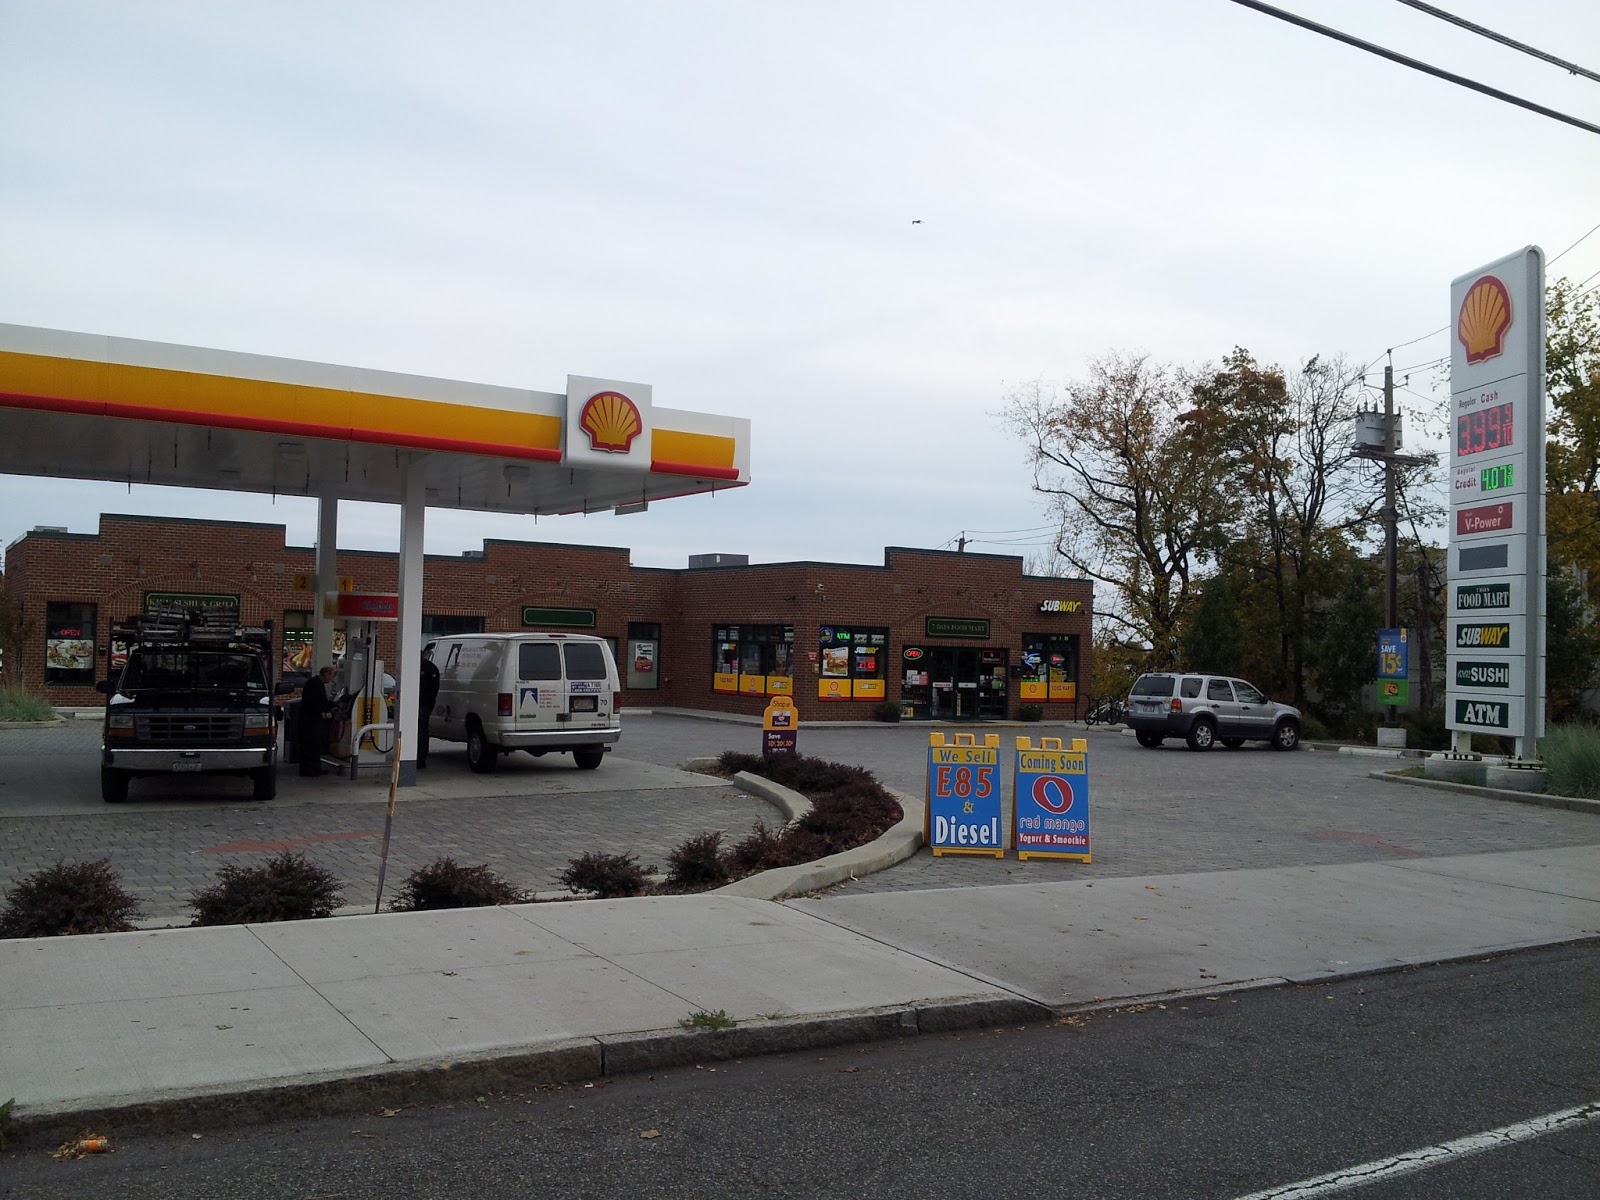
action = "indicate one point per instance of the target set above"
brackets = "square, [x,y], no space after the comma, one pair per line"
[1402,346]
[1416,64]
[1032,529]
[1500,37]
[1574,246]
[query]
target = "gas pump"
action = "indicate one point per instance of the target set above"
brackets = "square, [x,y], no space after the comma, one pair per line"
[363,720]
[359,683]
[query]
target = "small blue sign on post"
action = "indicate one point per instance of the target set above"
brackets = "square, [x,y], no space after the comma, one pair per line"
[1050,800]
[1394,666]
[964,797]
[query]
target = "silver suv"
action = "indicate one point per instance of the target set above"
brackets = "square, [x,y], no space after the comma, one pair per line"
[1206,709]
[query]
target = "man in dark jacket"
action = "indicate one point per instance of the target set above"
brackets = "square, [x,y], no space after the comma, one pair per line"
[427,694]
[316,712]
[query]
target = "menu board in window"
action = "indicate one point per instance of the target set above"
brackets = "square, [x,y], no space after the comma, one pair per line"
[69,647]
[852,662]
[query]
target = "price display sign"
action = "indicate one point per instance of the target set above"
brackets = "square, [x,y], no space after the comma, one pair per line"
[1485,429]
[1495,626]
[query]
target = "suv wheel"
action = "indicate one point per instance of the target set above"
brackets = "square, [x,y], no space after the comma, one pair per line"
[1202,734]
[482,755]
[1149,740]
[1286,736]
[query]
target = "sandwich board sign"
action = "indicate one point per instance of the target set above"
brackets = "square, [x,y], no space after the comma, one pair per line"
[964,795]
[1050,799]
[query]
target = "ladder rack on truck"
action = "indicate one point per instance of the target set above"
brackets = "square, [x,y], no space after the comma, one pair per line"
[190,690]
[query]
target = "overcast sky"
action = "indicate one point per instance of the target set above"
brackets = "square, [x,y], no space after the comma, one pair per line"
[858,224]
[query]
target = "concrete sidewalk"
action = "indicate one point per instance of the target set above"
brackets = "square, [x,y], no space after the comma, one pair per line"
[188,1026]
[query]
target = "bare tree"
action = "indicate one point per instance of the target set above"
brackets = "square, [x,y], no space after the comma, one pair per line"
[1133,487]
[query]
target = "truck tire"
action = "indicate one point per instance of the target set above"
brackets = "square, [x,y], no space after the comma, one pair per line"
[263,783]
[588,757]
[483,756]
[113,785]
[1202,734]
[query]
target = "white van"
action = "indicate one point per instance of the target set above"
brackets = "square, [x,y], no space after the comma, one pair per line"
[539,692]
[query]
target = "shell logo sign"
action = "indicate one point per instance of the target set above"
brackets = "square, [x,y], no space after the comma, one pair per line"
[1484,318]
[612,421]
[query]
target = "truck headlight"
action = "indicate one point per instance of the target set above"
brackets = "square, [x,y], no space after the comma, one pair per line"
[119,722]
[258,722]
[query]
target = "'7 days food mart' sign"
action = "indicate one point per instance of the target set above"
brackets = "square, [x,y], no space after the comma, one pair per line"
[1495,680]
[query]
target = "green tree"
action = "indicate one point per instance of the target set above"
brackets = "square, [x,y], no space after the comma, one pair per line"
[1572,463]
[1211,639]
[1347,642]
[1572,650]
[1287,448]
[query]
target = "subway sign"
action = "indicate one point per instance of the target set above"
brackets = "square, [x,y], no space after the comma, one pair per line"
[1477,674]
[1060,606]
[1496,636]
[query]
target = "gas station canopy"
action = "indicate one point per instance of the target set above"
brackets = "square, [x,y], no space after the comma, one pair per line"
[84,406]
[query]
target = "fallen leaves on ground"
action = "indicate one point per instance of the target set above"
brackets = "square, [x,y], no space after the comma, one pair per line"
[78,1147]
[650,1134]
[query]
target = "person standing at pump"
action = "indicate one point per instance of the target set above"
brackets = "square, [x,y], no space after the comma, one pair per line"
[316,711]
[427,695]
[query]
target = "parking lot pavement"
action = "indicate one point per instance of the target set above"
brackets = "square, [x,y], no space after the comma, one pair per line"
[1152,811]
[1173,810]
[526,821]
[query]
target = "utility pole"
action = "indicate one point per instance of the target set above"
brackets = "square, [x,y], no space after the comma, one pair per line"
[1391,518]
[961,543]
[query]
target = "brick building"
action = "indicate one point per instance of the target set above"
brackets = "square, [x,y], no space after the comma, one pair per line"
[941,634]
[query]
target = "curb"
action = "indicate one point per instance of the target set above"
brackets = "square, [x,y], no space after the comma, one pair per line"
[895,844]
[52,723]
[570,1061]
[789,802]
[1537,799]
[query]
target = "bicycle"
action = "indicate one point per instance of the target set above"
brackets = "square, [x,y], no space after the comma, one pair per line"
[1105,710]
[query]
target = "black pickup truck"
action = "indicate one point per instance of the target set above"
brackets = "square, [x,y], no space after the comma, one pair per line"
[190,691]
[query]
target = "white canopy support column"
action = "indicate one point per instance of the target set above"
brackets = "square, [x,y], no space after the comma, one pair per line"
[408,637]
[326,579]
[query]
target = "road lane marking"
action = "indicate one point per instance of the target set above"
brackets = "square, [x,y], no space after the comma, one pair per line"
[1431,1156]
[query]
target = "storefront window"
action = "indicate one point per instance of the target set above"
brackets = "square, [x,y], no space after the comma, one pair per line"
[297,637]
[642,665]
[443,624]
[69,633]
[1049,667]
[753,660]
[852,662]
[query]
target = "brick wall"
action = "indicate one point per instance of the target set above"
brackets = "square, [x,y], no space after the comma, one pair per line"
[132,555]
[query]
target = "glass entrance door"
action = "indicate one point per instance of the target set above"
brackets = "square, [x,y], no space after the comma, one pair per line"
[992,694]
[954,686]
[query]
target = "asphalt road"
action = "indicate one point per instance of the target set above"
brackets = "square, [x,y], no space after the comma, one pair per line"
[1211,1098]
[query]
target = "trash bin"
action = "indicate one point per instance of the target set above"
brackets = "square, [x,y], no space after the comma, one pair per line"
[291,732]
